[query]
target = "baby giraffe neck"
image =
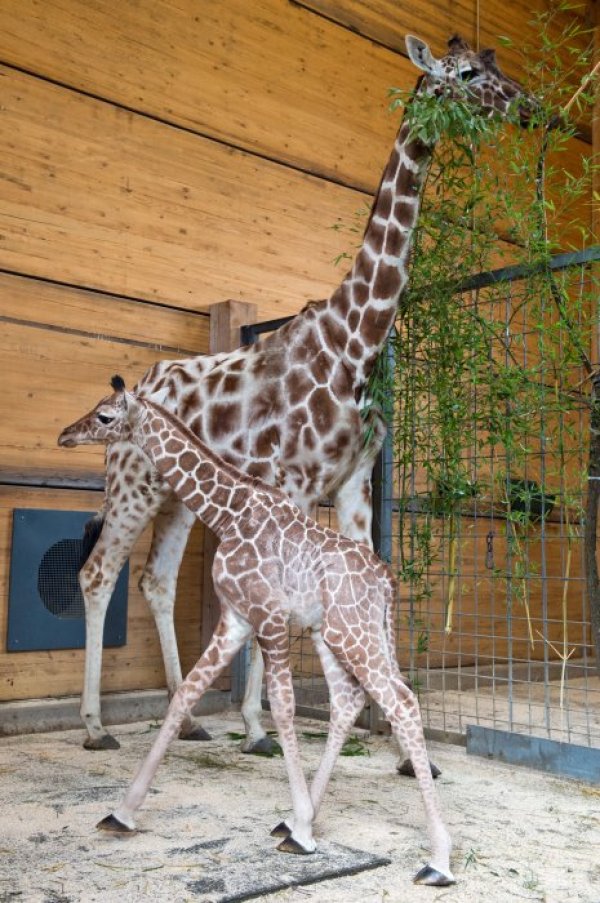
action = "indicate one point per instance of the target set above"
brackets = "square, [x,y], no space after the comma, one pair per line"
[206,484]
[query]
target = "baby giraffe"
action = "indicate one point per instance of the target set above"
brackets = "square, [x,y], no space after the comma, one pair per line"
[273,563]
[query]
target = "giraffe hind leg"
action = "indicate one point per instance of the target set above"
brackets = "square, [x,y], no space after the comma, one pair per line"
[257,741]
[379,677]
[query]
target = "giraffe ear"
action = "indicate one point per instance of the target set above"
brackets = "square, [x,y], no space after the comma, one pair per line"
[421,55]
[131,407]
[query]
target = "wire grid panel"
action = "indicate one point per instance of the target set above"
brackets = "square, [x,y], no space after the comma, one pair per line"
[494,625]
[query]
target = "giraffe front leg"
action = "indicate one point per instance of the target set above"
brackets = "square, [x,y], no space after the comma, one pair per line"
[158,583]
[230,634]
[97,579]
[96,604]
[126,514]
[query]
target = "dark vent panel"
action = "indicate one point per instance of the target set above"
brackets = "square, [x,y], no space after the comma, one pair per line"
[45,608]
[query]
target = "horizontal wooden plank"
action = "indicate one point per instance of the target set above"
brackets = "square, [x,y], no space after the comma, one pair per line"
[96,196]
[138,664]
[50,379]
[282,82]
[388,21]
[102,317]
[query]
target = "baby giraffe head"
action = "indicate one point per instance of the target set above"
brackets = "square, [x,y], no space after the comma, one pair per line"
[473,76]
[112,420]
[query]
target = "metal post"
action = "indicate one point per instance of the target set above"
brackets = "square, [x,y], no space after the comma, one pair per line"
[382,489]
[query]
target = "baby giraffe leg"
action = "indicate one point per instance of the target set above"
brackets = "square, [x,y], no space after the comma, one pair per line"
[400,707]
[347,699]
[229,636]
[280,691]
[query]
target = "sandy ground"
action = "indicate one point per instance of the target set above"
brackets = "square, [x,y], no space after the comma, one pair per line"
[518,834]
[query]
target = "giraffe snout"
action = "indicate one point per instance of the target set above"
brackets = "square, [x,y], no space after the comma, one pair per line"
[66,439]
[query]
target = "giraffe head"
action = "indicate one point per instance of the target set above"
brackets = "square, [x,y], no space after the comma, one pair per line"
[112,420]
[474,77]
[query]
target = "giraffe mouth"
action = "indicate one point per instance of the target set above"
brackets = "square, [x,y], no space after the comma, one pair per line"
[528,111]
[66,441]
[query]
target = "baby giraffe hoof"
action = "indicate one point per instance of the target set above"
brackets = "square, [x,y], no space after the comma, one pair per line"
[263,747]
[112,825]
[281,830]
[289,845]
[434,878]
[106,741]
[406,769]
[197,733]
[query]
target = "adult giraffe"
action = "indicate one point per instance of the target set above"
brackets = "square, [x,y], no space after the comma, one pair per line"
[287,410]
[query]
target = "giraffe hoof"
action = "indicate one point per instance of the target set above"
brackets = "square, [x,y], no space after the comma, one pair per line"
[266,746]
[281,830]
[112,825]
[406,769]
[197,733]
[434,878]
[289,845]
[106,741]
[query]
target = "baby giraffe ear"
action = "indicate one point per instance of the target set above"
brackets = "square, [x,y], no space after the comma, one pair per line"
[420,54]
[132,407]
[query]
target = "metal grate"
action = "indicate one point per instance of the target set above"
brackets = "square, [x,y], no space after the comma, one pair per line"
[518,655]
[58,585]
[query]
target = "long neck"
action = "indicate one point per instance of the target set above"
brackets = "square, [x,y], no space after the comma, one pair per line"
[368,297]
[214,490]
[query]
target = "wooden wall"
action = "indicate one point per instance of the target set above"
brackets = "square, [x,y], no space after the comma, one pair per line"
[157,157]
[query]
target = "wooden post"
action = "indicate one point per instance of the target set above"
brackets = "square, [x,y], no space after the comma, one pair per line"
[226,320]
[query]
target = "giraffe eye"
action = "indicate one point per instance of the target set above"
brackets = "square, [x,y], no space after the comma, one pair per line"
[467,75]
[104,419]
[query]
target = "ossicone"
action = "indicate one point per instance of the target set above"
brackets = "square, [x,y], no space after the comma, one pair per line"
[456,44]
[118,383]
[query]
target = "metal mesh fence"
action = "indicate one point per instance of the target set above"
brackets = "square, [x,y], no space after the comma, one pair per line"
[493,623]
[494,626]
